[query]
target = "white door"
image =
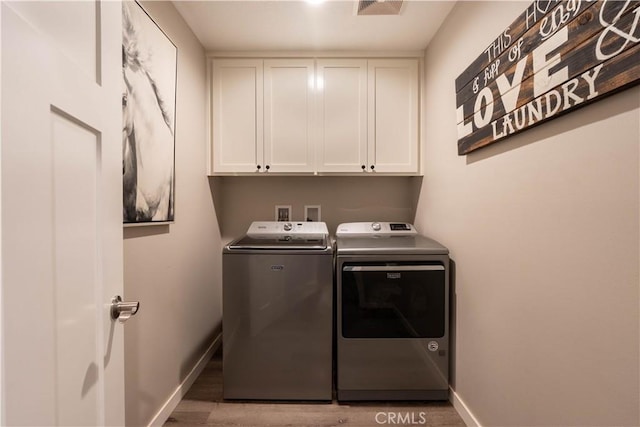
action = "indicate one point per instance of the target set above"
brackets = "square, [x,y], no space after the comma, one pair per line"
[289,86]
[61,200]
[342,115]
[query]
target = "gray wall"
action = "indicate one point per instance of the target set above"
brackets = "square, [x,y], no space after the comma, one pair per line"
[544,231]
[342,199]
[175,270]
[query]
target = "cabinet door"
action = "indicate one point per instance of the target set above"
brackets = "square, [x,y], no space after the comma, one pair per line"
[288,114]
[342,115]
[237,115]
[393,115]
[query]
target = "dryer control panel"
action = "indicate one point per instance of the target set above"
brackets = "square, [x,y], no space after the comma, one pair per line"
[370,229]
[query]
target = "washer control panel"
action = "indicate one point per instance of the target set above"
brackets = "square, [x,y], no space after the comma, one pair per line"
[298,230]
[372,229]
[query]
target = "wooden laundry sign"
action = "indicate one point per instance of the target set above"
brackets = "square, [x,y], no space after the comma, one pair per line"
[555,57]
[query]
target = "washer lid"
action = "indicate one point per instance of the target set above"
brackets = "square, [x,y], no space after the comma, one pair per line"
[373,229]
[287,243]
[276,235]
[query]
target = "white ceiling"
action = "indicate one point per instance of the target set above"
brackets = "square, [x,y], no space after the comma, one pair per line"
[243,25]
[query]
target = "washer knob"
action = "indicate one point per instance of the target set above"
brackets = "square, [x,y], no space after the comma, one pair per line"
[376,226]
[287,226]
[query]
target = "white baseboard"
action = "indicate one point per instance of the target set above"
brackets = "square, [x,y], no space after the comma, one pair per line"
[175,398]
[463,410]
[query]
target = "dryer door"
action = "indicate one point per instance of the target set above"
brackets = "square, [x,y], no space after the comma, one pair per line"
[391,300]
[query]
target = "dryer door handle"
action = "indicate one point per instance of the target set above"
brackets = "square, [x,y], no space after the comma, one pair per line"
[393,268]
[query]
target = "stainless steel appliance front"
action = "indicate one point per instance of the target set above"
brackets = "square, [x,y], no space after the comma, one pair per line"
[277,319]
[392,318]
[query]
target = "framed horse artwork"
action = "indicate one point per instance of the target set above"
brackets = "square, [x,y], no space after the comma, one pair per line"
[149,68]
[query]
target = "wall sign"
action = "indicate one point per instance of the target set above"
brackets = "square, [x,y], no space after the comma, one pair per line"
[555,57]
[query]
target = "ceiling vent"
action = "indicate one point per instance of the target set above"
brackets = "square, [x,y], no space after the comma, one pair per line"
[379,7]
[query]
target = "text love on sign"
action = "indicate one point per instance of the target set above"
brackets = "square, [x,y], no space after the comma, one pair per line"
[555,57]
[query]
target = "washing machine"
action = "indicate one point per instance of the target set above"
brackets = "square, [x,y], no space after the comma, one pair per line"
[278,313]
[392,308]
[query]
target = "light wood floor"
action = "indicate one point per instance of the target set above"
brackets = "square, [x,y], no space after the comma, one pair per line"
[204,405]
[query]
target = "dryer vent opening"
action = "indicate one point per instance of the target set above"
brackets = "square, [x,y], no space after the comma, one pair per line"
[379,7]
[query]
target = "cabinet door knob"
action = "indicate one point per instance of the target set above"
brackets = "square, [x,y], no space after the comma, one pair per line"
[259,167]
[363,167]
[373,167]
[267,167]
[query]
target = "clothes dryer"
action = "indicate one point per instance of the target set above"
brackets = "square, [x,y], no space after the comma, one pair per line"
[392,325]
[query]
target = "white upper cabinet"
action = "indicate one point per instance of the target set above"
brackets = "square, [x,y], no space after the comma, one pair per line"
[342,115]
[393,115]
[237,115]
[306,115]
[289,86]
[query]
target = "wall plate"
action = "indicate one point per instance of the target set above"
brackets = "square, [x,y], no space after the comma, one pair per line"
[283,213]
[312,213]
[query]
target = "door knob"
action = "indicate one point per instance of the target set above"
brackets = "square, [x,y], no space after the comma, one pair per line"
[122,310]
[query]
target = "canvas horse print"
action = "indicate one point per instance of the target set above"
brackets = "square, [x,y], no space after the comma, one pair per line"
[149,61]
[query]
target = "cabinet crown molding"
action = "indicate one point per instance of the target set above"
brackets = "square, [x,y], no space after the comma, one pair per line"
[413,54]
